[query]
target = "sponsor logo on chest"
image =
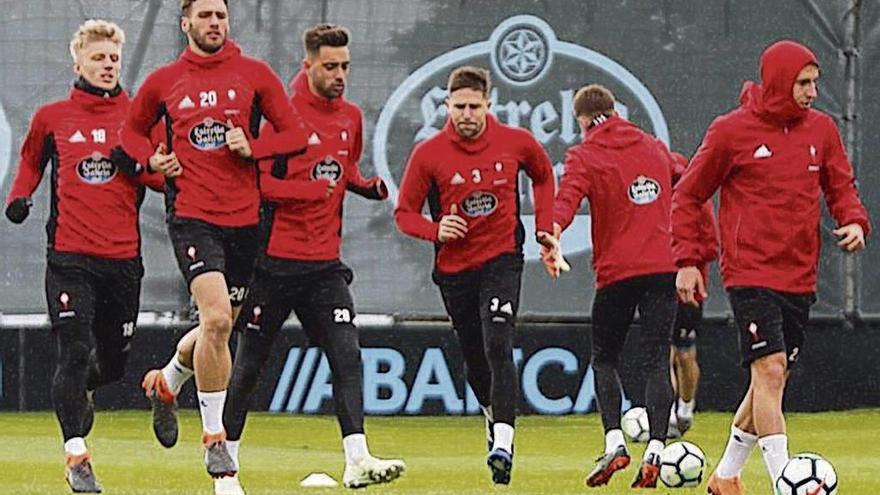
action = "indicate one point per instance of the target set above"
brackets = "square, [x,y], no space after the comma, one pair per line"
[479,204]
[95,169]
[208,135]
[328,168]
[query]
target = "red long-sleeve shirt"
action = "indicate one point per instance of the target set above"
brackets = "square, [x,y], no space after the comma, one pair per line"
[707,226]
[306,224]
[771,161]
[94,208]
[480,176]
[197,96]
[626,174]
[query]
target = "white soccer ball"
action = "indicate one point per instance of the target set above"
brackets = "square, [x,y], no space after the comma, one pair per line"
[807,474]
[681,465]
[635,424]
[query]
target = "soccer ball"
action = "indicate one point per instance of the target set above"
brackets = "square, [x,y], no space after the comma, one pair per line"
[635,424]
[681,465]
[807,474]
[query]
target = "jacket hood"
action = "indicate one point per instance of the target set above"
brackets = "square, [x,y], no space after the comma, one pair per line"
[615,132]
[772,99]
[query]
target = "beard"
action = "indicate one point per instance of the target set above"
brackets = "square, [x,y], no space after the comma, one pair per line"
[469,131]
[204,45]
[329,90]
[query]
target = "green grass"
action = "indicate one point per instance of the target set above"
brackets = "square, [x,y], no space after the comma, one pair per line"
[444,455]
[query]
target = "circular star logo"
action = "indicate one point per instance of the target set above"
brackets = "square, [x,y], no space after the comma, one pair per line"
[522,54]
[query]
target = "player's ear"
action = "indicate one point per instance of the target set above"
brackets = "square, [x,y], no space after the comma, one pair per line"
[184,24]
[307,64]
[76,69]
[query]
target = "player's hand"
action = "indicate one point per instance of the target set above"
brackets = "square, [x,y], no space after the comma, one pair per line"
[551,254]
[852,237]
[689,283]
[331,186]
[452,226]
[165,163]
[18,209]
[237,141]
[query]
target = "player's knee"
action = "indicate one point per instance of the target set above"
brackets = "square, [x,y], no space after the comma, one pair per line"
[769,371]
[216,324]
[686,357]
[74,355]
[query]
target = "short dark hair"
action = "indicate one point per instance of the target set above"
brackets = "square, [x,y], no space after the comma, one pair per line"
[324,35]
[186,6]
[592,100]
[469,77]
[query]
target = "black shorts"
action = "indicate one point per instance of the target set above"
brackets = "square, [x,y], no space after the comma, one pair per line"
[102,294]
[490,293]
[317,292]
[201,247]
[770,321]
[688,321]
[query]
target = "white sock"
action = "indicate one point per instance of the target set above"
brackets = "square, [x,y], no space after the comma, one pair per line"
[75,446]
[503,437]
[355,447]
[232,448]
[673,417]
[686,408]
[775,451]
[613,439]
[739,447]
[176,374]
[211,407]
[654,447]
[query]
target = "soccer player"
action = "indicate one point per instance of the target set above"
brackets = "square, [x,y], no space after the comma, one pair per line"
[204,98]
[625,174]
[771,158]
[300,269]
[469,173]
[93,261]
[688,322]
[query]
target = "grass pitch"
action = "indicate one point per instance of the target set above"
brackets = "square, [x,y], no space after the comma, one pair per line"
[444,455]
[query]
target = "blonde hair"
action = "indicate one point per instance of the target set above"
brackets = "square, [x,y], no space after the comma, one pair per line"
[95,30]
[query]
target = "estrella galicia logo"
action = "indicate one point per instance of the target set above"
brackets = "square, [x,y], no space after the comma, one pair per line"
[479,204]
[644,190]
[328,168]
[534,89]
[208,135]
[96,169]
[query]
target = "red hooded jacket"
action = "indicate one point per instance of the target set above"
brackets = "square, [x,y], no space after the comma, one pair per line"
[94,206]
[626,174]
[481,177]
[771,159]
[197,96]
[306,225]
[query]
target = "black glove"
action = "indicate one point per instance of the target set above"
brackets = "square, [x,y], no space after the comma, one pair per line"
[124,162]
[375,189]
[18,210]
